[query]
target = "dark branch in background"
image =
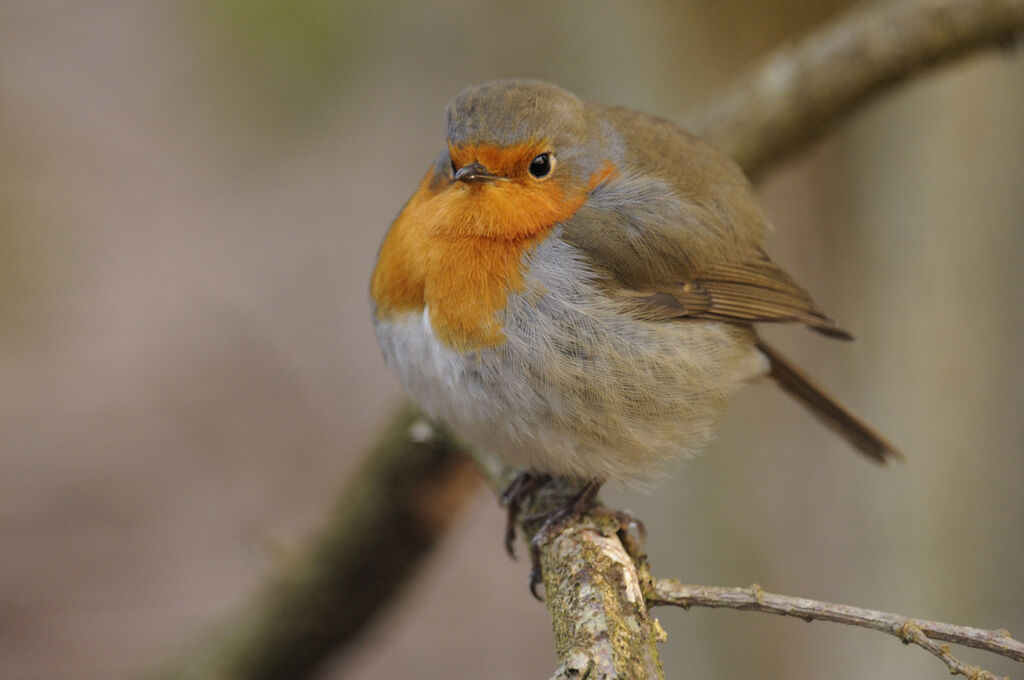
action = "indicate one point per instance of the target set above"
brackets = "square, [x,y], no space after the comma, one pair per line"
[799,93]
[387,519]
[416,478]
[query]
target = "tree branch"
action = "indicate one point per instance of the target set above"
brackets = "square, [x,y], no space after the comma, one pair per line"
[594,575]
[601,621]
[389,516]
[799,93]
[794,98]
[920,632]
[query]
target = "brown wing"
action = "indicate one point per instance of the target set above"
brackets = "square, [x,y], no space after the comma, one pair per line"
[756,290]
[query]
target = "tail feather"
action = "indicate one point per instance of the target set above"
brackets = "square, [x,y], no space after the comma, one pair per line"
[854,430]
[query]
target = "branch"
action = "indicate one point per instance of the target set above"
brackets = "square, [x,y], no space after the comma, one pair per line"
[910,631]
[594,576]
[389,516]
[602,625]
[799,93]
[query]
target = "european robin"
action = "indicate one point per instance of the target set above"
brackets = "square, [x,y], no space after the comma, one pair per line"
[574,287]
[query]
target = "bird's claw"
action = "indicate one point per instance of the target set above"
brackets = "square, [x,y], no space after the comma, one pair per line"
[512,497]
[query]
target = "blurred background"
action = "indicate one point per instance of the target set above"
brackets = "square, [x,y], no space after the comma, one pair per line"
[191,199]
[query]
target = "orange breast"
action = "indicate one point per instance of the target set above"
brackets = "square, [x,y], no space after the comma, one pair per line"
[458,249]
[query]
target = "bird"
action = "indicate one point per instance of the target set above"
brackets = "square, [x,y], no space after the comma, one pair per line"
[575,288]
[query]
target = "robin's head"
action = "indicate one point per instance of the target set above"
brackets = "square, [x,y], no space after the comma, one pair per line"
[520,156]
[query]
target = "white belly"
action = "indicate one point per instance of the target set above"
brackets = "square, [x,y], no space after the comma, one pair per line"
[578,388]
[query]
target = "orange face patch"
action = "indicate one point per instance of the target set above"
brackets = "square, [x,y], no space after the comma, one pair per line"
[510,161]
[458,248]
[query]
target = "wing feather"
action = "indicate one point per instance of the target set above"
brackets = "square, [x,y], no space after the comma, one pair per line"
[752,291]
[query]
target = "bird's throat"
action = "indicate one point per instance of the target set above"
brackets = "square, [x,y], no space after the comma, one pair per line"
[459,251]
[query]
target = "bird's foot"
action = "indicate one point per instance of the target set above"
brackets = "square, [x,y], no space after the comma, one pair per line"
[629,529]
[512,497]
[517,495]
[555,522]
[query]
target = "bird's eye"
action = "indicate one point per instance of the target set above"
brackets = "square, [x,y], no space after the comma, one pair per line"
[542,165]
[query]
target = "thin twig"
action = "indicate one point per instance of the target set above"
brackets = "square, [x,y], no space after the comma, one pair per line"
[910,633]
[921,632]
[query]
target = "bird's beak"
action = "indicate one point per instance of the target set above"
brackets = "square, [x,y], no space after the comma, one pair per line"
[473,173]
